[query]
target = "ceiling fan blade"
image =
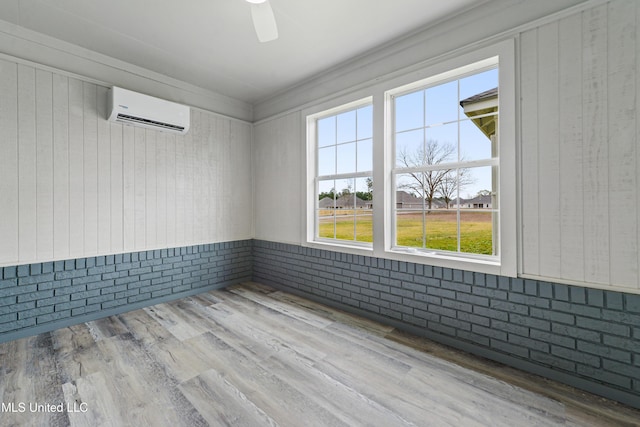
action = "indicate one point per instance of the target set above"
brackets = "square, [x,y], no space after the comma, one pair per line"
[264,21]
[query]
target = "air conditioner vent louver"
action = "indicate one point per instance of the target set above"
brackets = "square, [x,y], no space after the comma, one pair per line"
[146,111]
[132,119]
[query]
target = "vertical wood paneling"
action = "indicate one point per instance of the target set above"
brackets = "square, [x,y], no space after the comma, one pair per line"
[196,169]
[151,208]
[44,163]
[208,173]
[228,175]
[60,166]
[129,187]
[104,173]
[277,153]
[161,193]
[637,135]
[623,186]
[189,156]
[117,188]
[595,154]
[218,189]
[9,212]
[548,150]
[171,190]
[90,169]
[27,163]
[140,186]
[181,179]
[244,204]
[76,169]
[570,146]
[530,202]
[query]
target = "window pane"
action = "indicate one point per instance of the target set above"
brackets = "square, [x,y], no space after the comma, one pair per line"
[365,155]
[409,148]
[476,232]
[409,111]
[326,131]
[442,103]
[474,144]
[346,127]
[326,194]
[365,122]
[326,223]
[327,161]
[447,190]
[345,209]
[326,208]
[442,144]
[347,158]
[411,189]
[478,83]
[477,185]
[364,192]
[442,230]
[410,228]
[364,213]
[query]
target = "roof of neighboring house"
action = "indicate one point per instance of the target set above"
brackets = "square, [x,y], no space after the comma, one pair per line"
[347,201]
[484,199]
[482,96]
[483,104]
[325,202]
[404,197]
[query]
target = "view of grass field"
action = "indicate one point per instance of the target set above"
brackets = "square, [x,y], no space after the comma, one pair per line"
[441,229]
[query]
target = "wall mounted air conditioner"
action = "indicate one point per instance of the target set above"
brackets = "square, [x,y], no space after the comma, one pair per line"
[125,106]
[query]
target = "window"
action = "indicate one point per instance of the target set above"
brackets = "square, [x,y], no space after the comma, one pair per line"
[446,172]
[343,179]
[424,168]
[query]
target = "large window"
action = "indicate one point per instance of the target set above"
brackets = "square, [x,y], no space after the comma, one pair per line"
[446,172]
[344,182]
[422,167]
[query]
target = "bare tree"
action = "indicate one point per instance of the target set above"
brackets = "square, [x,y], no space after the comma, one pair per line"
[426,184]
[452,182]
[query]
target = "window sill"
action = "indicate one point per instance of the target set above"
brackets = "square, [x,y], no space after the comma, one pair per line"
[356,248]
[478,265]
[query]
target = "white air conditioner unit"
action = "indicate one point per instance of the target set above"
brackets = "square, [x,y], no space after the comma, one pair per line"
[137,109]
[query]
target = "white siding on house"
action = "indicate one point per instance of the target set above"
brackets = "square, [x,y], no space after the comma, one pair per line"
[73,184]
[580,148]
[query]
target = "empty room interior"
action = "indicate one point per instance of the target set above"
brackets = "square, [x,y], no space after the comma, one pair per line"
[298,213]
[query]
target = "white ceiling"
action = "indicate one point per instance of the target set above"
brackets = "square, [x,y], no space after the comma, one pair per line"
[212,43]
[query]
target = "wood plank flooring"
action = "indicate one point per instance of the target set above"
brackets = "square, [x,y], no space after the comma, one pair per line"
[253,356]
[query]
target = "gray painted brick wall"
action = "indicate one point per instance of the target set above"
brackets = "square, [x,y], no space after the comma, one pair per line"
[44,296]
[588,338]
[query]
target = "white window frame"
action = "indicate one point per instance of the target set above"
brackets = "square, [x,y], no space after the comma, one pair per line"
[506,261]
[377,92]
[391,96]
[313,177]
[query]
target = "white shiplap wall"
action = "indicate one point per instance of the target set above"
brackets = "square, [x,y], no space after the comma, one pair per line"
[279,151]
[73,184]
[580,89]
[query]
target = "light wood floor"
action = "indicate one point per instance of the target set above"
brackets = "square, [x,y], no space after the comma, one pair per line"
[252,356]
